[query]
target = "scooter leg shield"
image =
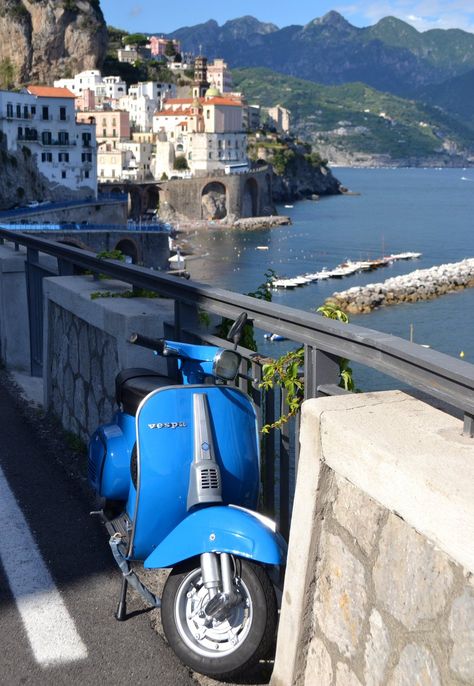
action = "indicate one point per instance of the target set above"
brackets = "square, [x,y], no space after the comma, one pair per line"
[224,529]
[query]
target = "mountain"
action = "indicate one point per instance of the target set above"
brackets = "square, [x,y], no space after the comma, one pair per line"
[456,96]
[356,124]
[390,56]
[42,40]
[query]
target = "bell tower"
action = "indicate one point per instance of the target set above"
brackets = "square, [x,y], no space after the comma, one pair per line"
[200,83]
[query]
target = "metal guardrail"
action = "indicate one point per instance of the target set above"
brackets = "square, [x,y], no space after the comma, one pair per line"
[132,227]
[325,341]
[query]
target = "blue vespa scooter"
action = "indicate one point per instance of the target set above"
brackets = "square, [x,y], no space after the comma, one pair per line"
[178,469]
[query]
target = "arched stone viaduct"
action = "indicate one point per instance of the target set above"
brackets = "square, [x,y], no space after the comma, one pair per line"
[220,195]
[214,196]
[147,248]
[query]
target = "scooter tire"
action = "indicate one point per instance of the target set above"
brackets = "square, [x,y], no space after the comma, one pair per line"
[259,614]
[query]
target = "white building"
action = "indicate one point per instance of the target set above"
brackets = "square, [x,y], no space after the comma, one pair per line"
[141,110]
[153,90]
[105,88]
[43,119]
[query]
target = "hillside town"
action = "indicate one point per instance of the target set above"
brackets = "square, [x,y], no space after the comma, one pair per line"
[92,129]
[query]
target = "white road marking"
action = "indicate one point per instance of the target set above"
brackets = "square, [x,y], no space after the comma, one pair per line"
[49,626]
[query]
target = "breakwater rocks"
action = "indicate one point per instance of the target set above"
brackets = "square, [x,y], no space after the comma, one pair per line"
[422,284]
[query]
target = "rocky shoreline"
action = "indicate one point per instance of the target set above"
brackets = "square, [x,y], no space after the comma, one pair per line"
[422,284]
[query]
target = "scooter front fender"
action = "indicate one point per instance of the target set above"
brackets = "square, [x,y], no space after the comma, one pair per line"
[223,529]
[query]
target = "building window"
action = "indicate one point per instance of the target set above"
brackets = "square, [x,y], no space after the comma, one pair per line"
[18,111]
[86,139]
[46,156]
[63,157]
[33,110]
[62,113]
[9,110]
[63,174]
[46,137]
[104,122]
[20,133]
[86,174]
[104,133]
[210,155]
[208,114]
[63,138]
[45,113]
[25,112]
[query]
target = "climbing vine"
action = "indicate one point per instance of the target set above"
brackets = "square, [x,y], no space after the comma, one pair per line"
[287,373]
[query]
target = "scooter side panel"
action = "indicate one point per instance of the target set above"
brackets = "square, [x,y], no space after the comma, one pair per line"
[219,529]
[109,458]
[165,453]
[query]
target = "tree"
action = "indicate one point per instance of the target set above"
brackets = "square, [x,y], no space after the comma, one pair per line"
[170,49]
[181,163]
[7,73]
[135,39]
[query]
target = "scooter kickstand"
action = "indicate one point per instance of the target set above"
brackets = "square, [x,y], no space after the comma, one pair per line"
[121,611]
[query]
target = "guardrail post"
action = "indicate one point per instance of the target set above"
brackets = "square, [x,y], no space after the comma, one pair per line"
[468,425]
[319,368]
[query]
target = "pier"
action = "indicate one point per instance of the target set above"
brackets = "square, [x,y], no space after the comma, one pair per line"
[422,284]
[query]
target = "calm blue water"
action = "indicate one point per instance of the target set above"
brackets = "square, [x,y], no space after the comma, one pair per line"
[425,210]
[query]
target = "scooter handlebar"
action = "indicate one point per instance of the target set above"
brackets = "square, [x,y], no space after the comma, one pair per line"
[156,344]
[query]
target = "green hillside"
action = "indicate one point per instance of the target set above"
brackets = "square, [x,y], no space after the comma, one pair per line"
[356,117]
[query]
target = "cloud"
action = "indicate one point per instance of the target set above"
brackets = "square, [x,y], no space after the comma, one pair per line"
[136,11]
[425,14]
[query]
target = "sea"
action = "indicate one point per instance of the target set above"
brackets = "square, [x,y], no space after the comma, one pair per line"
[388,211]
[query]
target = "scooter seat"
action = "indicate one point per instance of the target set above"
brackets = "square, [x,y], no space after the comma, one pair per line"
[132,385]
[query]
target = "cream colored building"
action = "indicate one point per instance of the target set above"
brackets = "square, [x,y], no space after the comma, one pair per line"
[208,131]
[280,118]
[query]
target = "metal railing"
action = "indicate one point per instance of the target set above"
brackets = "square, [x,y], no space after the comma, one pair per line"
[325,342]
[102,198]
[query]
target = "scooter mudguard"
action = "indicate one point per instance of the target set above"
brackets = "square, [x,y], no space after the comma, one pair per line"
[220,529]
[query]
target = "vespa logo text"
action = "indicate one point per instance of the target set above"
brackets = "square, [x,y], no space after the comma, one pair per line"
[168,425]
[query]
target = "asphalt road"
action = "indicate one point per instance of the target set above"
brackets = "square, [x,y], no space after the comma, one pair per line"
[73,553]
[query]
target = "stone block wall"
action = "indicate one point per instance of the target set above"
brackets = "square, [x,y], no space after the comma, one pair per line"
[86,345]
[84,361]
[388,607]
[379,586]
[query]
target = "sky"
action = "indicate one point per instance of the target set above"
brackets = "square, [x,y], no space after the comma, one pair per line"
[153,16]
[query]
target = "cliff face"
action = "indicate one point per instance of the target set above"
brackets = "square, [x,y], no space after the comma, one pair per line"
[301,180]
[20,181]
[49,39]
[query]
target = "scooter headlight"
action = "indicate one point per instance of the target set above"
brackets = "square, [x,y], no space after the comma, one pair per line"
[226,364]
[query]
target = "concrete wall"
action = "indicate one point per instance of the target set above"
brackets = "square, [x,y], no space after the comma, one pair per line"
[14,327]
[379,587]
[86,346]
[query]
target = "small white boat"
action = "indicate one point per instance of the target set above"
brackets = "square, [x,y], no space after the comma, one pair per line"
[274,337]
[289,207]
[261,247]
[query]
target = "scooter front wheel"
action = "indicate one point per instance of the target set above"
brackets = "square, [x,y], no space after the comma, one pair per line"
[224,647]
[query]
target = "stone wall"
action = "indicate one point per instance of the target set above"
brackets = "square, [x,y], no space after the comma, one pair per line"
[248,194]
[379,589]
[86,346]
[389,608]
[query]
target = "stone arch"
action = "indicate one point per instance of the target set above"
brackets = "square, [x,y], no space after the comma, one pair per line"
[135,202]
[214,201]
[152,198]
[250,198]
[129,248]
